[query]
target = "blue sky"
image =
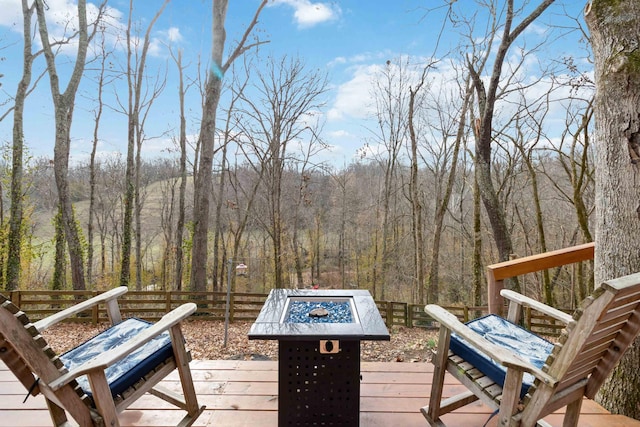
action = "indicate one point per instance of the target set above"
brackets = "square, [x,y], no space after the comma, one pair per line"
[349,39]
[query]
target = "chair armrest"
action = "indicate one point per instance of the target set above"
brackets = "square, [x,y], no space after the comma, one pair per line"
[493,351]
[108,358]
[105,297]
[536,305]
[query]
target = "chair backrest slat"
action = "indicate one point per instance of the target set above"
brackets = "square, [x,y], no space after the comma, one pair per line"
[624,339]
[16,365]
[27,354]
[605,326]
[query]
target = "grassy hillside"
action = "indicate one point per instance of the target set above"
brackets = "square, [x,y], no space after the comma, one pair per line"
[156,197]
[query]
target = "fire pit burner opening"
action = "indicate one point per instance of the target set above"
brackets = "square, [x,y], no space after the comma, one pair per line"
[319,310]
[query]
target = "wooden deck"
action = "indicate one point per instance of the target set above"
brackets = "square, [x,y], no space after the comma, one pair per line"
[244,393]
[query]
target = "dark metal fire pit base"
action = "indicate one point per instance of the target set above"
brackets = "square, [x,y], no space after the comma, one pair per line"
[319,362]
[316,389]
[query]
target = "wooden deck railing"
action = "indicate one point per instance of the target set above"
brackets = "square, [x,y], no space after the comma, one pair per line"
[151,305]
[497,273]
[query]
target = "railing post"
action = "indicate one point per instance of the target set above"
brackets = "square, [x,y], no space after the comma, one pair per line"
[14,296]
[232,303]
[94,311]
[389,314]
[494,299]
[405,306]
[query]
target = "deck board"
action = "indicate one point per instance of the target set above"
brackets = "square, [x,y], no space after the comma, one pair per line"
[244,393]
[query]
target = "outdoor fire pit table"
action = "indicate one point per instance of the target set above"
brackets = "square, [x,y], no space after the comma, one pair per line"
[319,334]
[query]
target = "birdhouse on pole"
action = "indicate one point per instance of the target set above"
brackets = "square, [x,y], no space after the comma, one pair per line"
[241,269]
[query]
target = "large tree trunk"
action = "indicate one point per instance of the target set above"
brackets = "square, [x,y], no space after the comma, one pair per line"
[92,161]
[615,39]
[416,205]
[487,99]
[182,140]
[135,126]
[64,104]
[15,221]
[203,185]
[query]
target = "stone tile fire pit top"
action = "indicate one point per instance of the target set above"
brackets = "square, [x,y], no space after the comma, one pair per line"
[296,314]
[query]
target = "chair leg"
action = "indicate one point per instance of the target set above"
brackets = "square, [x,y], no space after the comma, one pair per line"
[573,413]
[510,396]
[102,398]
[432,412]
[58,415]
[186,380]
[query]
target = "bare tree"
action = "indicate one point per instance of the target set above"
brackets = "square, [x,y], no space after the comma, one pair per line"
[487,97]
[202,185]
[303,198]
[17,174]
[525,133]
[182,142]
[167,212]
[104,57]
[291,94]
[615,42]
[231,129]
[452,124]
[136,104]
[392,102]
[108,210]
[417,216]
[64,103]
[574,154]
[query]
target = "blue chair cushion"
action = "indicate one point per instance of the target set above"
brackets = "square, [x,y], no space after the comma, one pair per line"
[127,371]
[508,335]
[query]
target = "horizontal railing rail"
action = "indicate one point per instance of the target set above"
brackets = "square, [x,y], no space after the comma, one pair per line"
[243,307]
[498,273]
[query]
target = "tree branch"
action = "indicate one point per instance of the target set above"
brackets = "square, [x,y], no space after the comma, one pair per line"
[240,49]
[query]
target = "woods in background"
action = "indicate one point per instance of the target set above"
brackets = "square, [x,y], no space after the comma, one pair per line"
[467,160]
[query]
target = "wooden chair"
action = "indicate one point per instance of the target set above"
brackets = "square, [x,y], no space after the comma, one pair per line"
[103,376]
[590,346]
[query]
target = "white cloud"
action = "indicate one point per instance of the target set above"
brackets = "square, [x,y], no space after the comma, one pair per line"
[11,14]
[59,12]
[361,58]
[353,98]
[173,34]
[62,20]
[340,133]
[156,47]
[337,61]
[537,29]
[308,14]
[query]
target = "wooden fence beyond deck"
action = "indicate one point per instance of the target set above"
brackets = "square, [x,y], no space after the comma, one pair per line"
[244,307]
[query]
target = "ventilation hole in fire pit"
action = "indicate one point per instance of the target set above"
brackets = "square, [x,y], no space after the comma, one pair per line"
[322,388]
